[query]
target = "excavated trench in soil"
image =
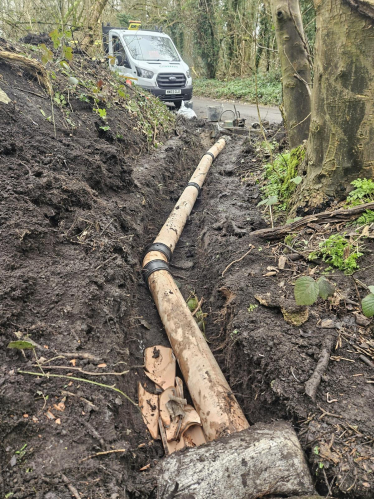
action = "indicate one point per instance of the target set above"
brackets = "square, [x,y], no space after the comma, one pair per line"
[266,360]
[71,281]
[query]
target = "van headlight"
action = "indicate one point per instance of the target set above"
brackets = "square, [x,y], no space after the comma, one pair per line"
[188,73]
[144,73]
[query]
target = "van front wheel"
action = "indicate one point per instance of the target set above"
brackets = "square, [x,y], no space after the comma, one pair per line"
[177,104]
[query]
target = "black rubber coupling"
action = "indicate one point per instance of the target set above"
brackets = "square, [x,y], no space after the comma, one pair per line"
[153,266]
[161,247]
[209,154]
[194,184]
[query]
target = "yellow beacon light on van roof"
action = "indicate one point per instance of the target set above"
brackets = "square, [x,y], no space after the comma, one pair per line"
[133,25]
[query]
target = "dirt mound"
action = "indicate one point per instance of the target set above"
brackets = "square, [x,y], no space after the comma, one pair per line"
[77,207]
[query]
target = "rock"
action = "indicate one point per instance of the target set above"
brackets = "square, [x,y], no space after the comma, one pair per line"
[361,320]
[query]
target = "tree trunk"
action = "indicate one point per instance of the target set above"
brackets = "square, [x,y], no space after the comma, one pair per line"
[260,461]
[295,68]
[92,22]
[341,142]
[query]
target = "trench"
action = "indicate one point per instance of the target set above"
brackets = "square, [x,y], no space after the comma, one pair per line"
[222,219]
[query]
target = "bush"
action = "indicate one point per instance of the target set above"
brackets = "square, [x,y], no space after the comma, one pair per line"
[281,176]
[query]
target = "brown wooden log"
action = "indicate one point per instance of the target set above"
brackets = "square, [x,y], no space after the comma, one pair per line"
[264,460]
[337,216]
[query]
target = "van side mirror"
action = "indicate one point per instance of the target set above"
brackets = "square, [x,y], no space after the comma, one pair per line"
[119,60]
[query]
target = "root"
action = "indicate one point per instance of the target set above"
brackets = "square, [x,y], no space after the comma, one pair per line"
[33,65]
[314,381]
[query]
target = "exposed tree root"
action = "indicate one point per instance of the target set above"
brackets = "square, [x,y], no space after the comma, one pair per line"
[314,381]
[337,216]
[33,65]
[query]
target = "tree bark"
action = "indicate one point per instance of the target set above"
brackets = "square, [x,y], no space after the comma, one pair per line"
[295,65]
[341,142]
[261,461]
[93,19]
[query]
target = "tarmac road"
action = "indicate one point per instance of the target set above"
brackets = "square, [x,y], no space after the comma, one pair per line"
[246,110]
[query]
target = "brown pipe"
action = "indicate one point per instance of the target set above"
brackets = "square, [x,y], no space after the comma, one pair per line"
[218,409]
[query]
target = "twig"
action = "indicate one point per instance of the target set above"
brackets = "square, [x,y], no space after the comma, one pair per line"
[30,92]
[337,216]
[367,361]
[302,121]
[326,413]
[102,454]
[294,250]
[314,381]
[81,355]
[237,261]
[71,394]
[83,372]
[48,375]
[106,261]
[71,487]
[198,306]
[105,228]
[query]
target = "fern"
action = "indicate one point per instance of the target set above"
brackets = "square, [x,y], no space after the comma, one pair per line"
[366,218]
[364,192]
[338,252]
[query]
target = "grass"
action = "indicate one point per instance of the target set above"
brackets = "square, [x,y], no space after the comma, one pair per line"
[269,89]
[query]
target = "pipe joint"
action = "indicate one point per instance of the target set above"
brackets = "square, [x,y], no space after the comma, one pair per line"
[153,266]
[194,184]
[209,154]
[161,247]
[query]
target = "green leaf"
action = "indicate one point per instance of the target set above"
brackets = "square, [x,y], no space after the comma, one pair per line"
[192,303]
[371,289]
[269,201]
[73,80]
[21,345]
[68,52]
[306,291]
[296,180]
[55,37]
[47,55]
[368,305]
[325,288]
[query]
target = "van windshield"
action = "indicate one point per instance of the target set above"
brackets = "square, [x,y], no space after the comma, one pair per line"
[151,48]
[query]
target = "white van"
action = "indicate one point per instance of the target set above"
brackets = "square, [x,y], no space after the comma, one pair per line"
[149,59]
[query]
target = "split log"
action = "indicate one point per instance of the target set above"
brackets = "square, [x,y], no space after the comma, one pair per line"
[31,64]
[337,216]
[263,460]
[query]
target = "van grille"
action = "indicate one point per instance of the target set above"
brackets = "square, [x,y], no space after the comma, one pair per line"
[171,80]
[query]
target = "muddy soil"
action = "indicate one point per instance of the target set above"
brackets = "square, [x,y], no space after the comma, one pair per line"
[76,212]
[266,360]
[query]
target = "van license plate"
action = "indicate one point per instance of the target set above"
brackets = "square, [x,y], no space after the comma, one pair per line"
[173,91]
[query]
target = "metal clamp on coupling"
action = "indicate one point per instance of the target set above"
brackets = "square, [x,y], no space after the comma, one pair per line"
[194,184]
[209,154]
[161,247]
[153,266]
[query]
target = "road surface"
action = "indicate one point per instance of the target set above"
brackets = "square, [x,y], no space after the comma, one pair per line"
[247,111]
